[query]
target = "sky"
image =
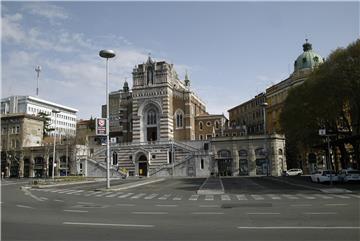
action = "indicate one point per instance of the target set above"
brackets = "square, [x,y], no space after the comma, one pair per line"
[232,51]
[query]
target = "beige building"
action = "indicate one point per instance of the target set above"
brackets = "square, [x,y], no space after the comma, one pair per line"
[276,94]
[18,131]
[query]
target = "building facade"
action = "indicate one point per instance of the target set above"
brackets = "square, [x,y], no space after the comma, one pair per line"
[276,94]
[65,120]
[249,116]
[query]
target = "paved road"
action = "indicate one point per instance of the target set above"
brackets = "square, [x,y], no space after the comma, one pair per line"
[178,213]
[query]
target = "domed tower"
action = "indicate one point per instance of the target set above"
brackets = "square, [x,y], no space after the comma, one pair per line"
[308,59]
[126,86]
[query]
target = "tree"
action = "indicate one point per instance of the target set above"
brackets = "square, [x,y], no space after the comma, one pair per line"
[330,99]
[46,119]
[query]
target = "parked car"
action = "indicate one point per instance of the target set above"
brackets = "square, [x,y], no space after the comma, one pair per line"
[294,172]
[348,175]
[324,176]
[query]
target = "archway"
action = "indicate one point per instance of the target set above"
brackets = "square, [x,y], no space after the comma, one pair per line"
[143,166]
[39,167]
[26,167]
[225,163]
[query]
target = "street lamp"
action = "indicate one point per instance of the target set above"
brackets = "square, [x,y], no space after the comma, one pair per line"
[107,54]
[264,105]
[53,160]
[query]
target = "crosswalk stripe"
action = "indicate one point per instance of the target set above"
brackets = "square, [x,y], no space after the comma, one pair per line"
[341,196]
[137,196]
[274,197]
[354,195]
[151,196]
[114,194]
[103,194]
[306,196]
[90,193]
[165,197]
[288,196]
[323,196]
[125,195]
[194,197]
[66,191]
[177,198]
[257,197]
[225,197]
[241,197]
[57,190]
[76,192]
[209,197]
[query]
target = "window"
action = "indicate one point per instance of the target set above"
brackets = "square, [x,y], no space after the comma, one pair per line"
[151,117]
[179,119]
[200,126]
[243,153]
[17,129]
[208,123]
[201,137]
[216,125]
[280,151]
[202,164]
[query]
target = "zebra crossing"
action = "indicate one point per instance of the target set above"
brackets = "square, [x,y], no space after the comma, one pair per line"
[198,197]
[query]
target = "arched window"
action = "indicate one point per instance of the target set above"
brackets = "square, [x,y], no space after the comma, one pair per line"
[200,125]
[151,117]
[280,151]
[216,125]
[260,152]
[243,153]
[179,119]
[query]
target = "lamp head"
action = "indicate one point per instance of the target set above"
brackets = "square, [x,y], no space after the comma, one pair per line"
[107,53]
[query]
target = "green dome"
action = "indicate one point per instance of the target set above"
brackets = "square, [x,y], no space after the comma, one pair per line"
[308,59]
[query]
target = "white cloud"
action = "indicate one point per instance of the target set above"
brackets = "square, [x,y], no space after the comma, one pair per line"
[11,28]
[46,10]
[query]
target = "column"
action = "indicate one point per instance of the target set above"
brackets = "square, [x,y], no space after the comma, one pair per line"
[46,165]
[31,166]
[252,161]
[236,160]
[21,165]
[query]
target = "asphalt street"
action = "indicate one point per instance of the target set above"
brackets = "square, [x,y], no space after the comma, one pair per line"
[250,209]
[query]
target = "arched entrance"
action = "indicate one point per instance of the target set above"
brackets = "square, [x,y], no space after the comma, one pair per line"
[26,167]
[39,167]
[225,163]
[143,166]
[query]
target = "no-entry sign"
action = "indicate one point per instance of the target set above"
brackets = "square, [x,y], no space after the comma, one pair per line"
[100,126]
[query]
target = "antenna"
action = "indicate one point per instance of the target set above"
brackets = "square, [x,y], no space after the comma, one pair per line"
[37,69]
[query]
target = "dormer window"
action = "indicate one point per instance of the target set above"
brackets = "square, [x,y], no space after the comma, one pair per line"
[304,60]
[316,59]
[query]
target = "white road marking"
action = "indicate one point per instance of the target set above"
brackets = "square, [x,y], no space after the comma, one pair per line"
[341,196]
[225,197]
[125,205]
[354,195]
[194,197]
[263,213]
[44,198]
[150,213]
[298,227]
[137,196]
[209,206]
[306,196]
[66,190]
[115,194]
[274,197]
[57,200]
[27,192]
[288,196]
[209,197]
[257,197]
[166,205]
[300,205]
[336,204]
[323,196]
[23,206]
[76,211]
[90,193]
[125,195]
[165,197]
[207,213]
[177,198]
[151,196]
[76,192]
[111,224]
[241,197]
[103,194]
[320,213]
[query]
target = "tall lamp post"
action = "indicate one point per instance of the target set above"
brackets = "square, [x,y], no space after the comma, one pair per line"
[107,54]
[53,159]
[264,105]
[37,69]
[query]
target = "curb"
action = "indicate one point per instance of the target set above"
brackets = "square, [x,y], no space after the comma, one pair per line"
[60,184]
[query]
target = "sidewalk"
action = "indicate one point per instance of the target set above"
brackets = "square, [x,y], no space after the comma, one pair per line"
[212,185]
